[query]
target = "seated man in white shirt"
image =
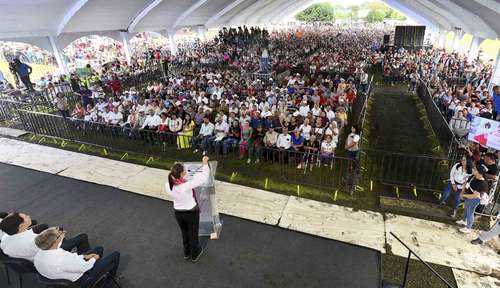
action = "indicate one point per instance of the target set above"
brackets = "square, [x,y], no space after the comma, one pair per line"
[53,262]
[150,126]
[115,117]
[221,129]
[19,236]
[206,131]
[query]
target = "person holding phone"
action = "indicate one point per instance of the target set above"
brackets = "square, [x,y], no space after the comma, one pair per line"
[187,212]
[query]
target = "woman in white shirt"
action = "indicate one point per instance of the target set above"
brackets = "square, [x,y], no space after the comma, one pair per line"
[186,207]
[327,150]
[333,131]
[305,129]
[459,174]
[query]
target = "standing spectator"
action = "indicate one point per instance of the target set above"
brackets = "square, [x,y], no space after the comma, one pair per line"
[472,192]
[24,71]
[352,143]
[246,135]
[233,137]
[284,143]
[184,137]
[62,104]
[297,146]
[459,174]
[255,145]
[174,126]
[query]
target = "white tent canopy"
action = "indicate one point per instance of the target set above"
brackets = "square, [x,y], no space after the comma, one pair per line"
[53,24]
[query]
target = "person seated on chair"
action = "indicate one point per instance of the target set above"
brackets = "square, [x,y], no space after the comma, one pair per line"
[84,269]
[18,240]
[20,234]
[2,215]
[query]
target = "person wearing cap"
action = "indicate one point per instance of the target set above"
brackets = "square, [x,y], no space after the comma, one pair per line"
[83,268]
[474,189]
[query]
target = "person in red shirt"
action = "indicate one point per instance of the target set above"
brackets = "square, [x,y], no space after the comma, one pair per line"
[350,95]
[115,86]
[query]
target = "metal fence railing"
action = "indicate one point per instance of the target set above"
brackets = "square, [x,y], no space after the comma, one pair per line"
[327,172]
[440,126]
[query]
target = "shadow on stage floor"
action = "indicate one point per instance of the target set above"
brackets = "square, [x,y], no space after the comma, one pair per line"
[144,230]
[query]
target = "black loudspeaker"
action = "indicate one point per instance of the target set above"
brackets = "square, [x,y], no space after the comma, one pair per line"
[387,39]
[409,36]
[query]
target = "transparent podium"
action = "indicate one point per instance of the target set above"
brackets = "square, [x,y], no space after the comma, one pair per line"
[210,224]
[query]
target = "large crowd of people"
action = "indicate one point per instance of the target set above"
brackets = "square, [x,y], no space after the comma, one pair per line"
[213,109]
[459,85]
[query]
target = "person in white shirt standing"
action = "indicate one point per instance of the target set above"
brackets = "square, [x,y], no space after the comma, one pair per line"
[459,174]
[283,144]
[352,146]
[186,207]
[54,262]
[18,240]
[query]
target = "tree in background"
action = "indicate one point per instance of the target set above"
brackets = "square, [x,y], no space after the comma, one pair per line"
[321,12]
[371,12]
[378,12]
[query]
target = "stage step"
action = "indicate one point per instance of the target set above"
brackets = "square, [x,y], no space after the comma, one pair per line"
[390,285]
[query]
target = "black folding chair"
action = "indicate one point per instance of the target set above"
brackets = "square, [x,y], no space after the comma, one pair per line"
[20,266]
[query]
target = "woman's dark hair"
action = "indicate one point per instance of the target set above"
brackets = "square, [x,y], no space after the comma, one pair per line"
[10,224]
[481,168]
[175,173]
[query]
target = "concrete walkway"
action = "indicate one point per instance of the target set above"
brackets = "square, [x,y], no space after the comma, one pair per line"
[435,242]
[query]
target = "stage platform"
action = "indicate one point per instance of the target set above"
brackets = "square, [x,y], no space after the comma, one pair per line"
[144,230]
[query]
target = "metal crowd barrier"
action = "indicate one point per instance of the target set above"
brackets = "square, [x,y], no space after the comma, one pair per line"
[327,173]
[422,172]
[441,127]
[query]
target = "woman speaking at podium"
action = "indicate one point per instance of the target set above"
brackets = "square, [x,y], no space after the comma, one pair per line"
[186,207]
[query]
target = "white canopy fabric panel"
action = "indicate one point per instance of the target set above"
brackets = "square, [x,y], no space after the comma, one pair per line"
[67,19]
[99,15]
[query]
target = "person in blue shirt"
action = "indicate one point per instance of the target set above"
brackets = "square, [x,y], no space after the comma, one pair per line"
[24,71]
[297,146]
[496,101]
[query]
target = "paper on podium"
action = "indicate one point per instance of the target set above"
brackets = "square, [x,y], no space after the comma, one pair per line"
[210,224]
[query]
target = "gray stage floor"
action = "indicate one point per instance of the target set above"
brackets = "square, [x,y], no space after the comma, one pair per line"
[144,230]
